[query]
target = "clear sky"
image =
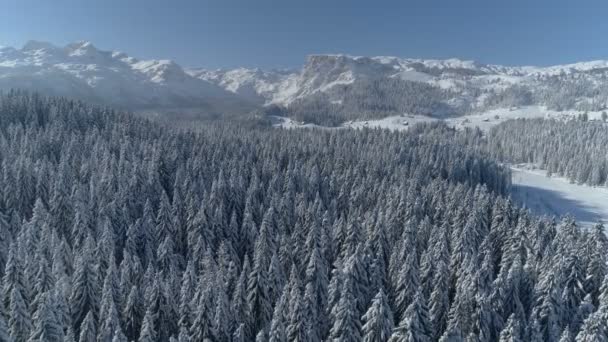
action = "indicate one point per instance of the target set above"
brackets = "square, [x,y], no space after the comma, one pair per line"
[280,33]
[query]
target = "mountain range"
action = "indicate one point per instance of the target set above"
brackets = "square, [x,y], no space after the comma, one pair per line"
[338,86]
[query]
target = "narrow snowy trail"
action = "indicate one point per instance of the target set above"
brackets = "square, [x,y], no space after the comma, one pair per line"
[554,196]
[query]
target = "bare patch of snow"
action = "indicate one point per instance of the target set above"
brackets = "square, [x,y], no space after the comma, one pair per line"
[555,196]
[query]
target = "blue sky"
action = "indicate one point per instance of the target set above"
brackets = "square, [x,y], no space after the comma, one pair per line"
[280,33]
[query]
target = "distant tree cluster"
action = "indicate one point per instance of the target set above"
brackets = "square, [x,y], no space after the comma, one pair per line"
[575,149]
[368,99]
[573,92]
[514,96]
[461,94]
[116,229]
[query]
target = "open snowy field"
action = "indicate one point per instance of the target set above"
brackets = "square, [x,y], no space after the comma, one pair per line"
[555,196]
[484,120]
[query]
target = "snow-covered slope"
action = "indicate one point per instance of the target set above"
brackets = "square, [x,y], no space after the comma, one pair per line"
[467,86]
[483,120]
[342,86]
[252,84]
[80,70]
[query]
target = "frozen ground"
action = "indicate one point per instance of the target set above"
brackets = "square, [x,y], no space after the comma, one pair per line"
[554,196]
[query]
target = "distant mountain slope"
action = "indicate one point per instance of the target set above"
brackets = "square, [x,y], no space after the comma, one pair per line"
[257,85]
[81,71]
[328,89]
[346,87]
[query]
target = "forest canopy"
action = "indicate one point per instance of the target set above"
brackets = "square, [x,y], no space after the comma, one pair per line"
[113,228]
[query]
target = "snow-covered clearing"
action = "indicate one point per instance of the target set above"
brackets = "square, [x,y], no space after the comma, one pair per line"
[484,120]
[555,196]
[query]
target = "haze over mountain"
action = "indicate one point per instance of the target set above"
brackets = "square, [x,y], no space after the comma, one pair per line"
[327,89]
[79,70]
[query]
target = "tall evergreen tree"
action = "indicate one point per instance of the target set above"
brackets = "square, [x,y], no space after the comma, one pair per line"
[346,326]
[415,325]
[378,320]
[20,322]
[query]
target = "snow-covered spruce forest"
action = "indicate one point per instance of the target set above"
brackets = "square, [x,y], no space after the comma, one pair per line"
[113,228]
[367,99]
[575,149]
[373,99]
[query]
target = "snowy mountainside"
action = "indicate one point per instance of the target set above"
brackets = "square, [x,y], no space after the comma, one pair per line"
[380,86]
[327,90]
[253,84]
[80,70]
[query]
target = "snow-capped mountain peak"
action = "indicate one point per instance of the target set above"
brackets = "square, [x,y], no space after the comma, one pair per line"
[81,48]
[81,70]
[326,82]
[33,45]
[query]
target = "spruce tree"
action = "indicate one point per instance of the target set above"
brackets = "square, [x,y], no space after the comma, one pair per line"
[20,322]
[415,325]
[88,329]
[378,320]
[346,326]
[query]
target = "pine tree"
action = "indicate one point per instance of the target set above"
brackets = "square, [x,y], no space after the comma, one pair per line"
[4,331]
[346,326]
[566,336]
[415,324]
[296,328]
[84,298]
[111,323]
[202,323]
[239,299]
[119,336]
[278,332]
[573,292]
[148,331]
[133,314]
[276,278]
[439,300]
[594,329]
[46,327]
[88,330]
[5,238]
[407,284]
[20,322]
[239,334]
[596,268]
[223,318]
[164,223]
[512,331]
[585,309]
[69,335]
[183,335]
[61,209]
[13,276]
[378,320]
[550,309]
[257,288]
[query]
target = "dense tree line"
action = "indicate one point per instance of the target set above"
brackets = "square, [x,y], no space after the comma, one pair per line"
[463,92]
[368,99]
[574,149]
[513,96]
[575,91]
[116,229]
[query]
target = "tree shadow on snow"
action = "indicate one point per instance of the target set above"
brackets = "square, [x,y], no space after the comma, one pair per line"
[552,203]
